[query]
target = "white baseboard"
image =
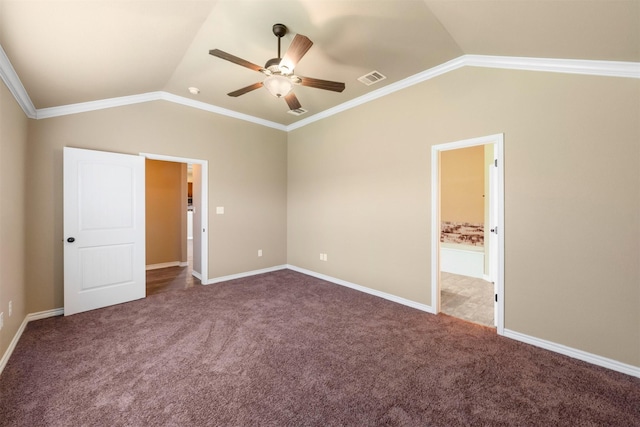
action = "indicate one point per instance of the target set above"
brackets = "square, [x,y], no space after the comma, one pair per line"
[164,265]
[548,345]
[241,275]
[364,289]
[28,318]
[575,353]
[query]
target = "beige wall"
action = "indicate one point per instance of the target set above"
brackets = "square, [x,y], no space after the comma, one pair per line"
[462,185]
[13,147]
[359,190]
[164,212]
[247,175]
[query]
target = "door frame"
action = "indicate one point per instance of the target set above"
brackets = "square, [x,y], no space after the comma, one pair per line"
[498,151]
[204,210]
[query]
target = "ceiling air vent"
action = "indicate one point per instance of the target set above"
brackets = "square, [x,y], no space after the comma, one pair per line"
[297,111]
[371,78]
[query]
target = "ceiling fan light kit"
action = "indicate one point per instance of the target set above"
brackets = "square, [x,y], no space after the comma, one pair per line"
[278,85]
[280,71]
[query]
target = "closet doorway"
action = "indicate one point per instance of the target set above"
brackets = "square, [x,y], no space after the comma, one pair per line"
[467,218]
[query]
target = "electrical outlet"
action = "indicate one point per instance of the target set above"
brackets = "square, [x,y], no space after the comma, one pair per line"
[325,257]
[10,308]
[321,257]
[259,252]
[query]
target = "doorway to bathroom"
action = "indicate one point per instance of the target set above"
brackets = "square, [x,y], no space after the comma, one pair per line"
[467,220]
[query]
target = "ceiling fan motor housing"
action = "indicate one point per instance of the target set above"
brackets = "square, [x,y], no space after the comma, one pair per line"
[273,65]
[279,30]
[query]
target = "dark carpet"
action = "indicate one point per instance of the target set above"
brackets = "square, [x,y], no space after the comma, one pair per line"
[286,349]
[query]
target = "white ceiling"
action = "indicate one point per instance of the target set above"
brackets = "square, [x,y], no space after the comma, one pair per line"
[72,51]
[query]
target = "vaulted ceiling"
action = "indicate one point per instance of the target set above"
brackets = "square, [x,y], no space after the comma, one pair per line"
[74,51]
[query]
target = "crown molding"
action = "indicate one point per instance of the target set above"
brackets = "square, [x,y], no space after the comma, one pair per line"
[570,66]
[436,71]
[11,79]
[218,110]
[84,107]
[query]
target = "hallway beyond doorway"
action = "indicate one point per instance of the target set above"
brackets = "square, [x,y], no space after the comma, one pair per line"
[172,278]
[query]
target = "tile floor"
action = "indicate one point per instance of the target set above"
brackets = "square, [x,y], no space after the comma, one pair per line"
[467,298]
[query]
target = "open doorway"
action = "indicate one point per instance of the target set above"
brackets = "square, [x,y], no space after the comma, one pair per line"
[176,223]
[467,217]
[466,290]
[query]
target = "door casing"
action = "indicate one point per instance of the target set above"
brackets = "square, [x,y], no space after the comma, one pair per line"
[498,149]
[204,214]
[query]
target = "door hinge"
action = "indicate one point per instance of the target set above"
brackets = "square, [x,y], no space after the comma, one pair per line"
[496,295]
[495,162]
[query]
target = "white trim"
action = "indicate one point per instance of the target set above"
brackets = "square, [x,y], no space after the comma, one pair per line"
[554,65]
[28,318]
[436,71]
[571,66]
[548,345]
[183,264]
[245,274]
[219,110]
[82,107]
[498,142]
[163,265]
[11,79]
[204,249]
[435,230]
[390,297]
[101,104]
[45,314]
[575,353]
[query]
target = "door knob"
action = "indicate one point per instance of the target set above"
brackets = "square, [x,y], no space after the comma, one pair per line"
[71,239]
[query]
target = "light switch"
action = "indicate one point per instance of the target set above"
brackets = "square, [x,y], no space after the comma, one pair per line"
[220,210]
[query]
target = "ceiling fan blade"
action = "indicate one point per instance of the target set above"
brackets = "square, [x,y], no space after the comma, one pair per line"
[299,46]
[227,56]
[245,89]
[292,101]
[322,84]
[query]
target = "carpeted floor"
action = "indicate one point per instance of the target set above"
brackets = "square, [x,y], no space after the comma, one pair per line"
[286,349]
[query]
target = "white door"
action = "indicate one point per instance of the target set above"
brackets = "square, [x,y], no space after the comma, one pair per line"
[493,236]
[104,229]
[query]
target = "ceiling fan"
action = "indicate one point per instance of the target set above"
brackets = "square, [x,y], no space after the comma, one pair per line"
[280,71]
